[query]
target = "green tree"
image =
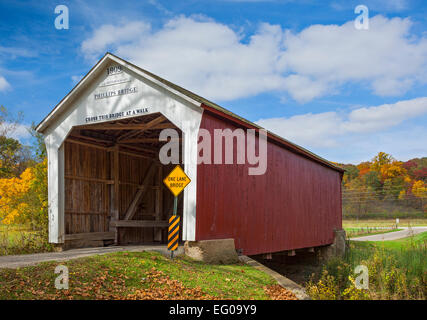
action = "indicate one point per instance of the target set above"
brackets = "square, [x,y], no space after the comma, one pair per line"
[351,172]
[372,181]
[14,157]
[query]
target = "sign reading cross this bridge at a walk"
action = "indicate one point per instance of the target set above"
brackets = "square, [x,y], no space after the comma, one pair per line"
[176,181]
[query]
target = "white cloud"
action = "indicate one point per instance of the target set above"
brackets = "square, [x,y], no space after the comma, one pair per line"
[76,79]
[328,129]
[221,64]
[4,85]
[303,89]
[373,119]
[403,143]
[202,55]
[14,52]
[17,131]
[386,57]
[109,34]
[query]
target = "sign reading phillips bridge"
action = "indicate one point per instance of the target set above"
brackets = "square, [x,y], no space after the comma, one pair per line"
[114,93]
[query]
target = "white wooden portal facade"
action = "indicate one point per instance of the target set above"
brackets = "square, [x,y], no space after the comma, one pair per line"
[115,87]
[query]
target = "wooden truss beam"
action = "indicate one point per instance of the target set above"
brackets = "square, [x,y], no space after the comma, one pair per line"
[138,148]
[107,181]
[146,140]
[90,236]
[141,192]
[139,223]
[84,143]
[145,126]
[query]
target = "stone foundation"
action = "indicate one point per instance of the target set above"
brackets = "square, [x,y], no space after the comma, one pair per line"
[336,249]
[219,251]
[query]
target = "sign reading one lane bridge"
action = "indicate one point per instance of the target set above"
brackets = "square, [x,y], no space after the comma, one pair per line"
[177,180]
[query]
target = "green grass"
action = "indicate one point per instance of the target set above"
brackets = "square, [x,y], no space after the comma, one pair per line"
[146,274]
[15,232]
[358,232]
[19,239]
[352,223]
[397,270]
[401,244]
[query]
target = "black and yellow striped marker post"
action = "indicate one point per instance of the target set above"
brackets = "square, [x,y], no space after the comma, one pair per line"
[173,233]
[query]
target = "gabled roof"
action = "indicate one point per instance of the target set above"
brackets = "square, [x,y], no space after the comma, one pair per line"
[183,93]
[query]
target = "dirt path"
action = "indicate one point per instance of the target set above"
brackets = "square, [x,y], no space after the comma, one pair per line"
[406,232]
[24,260]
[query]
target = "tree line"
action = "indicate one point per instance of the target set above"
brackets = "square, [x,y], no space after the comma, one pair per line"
[385,186]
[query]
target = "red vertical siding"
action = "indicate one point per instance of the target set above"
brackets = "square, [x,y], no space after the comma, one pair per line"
[295,204]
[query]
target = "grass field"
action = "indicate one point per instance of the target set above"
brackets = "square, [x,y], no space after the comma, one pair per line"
[383,223]
[359,228]
[361,232]
[14,232]
[140,275]
[399,245]
[18,239]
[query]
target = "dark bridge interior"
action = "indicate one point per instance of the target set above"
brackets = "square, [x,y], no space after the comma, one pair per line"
[114,191]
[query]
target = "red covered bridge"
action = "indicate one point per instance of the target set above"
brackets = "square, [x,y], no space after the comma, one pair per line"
[105,177]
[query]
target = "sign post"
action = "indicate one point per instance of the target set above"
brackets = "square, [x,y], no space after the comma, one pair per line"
[176,181]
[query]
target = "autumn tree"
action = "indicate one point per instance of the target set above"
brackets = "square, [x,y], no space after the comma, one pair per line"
[417,168]
[364,168]
[23,179]
[380,160]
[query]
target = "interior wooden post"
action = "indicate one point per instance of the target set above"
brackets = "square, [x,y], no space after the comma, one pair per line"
[159,203]
[107,193]
[116,213]
[141,193]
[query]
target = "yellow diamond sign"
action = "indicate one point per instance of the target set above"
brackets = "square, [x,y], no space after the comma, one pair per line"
[177,180]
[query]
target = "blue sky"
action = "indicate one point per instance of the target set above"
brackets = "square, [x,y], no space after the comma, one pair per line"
[298,68]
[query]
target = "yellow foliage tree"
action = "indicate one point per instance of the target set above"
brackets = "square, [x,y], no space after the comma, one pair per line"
[419,189]
[380,160]
[393,170]
[13,193]
[402,195]
[23,199]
